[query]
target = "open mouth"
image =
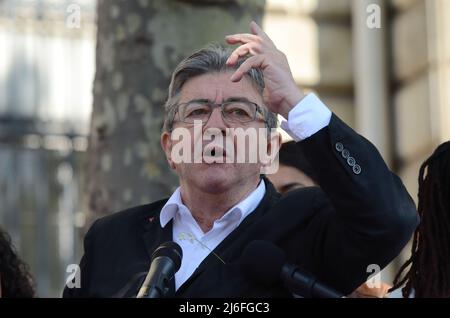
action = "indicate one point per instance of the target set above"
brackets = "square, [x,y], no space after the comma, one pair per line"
[214,154]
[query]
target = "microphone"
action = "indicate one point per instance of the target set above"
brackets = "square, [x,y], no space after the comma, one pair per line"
[166,261]
[265,263]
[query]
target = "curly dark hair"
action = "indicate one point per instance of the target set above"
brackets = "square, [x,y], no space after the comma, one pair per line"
[429,272]
[15,277]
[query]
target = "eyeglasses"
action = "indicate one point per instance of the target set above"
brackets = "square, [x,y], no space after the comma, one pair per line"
[238,112]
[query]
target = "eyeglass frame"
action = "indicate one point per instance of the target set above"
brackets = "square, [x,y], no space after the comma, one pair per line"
[213,105]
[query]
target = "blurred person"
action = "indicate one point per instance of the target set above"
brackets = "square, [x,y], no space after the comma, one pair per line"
[360,215]
[15,278]
[294,170]
[429,264]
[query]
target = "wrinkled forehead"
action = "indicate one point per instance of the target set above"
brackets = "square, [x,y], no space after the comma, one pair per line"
[218,87]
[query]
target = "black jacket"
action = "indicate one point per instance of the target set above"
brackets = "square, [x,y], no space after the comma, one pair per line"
[360,215]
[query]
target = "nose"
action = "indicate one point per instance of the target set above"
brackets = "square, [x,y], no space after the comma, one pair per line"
[216,120]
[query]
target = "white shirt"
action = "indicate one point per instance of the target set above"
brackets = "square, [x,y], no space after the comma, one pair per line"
[308,117]
[196,244]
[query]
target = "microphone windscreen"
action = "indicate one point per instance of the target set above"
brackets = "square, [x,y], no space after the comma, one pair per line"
[262,262]
[171,250]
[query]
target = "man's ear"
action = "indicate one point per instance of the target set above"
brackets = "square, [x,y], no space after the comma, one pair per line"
[270,162]
[166,145]
[274,143]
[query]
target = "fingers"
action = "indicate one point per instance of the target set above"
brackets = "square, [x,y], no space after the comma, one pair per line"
[243,50]
[258,35]
[254,27]
[251,43]
[257,30]
[252,62]
[242,38]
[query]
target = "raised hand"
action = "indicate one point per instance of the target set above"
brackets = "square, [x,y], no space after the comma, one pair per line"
[281,92]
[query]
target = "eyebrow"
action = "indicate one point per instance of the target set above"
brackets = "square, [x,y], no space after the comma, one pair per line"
[229,99]
[199,100]
[237,99]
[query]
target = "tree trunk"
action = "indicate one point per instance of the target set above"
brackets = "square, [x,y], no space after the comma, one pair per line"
[139,43]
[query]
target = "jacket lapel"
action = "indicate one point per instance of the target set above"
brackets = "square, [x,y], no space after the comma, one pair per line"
[269,199]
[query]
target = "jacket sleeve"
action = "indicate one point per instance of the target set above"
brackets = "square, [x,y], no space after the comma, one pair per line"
[82,289]
[364,216]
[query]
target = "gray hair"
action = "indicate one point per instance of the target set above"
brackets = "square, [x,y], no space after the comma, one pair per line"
[209,60]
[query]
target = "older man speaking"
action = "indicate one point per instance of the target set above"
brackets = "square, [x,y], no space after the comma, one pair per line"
[361,215]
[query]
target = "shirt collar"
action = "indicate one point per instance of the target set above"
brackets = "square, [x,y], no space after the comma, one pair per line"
[171,207]
[249,204]
[175,205]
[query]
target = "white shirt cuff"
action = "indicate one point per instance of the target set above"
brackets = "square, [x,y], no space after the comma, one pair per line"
[308,117]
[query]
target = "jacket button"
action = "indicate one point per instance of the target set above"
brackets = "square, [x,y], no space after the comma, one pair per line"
[339,146]
[345,153]
[351,161]
[356,169]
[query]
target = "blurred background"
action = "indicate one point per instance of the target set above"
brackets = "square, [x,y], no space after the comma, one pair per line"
[82,84]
